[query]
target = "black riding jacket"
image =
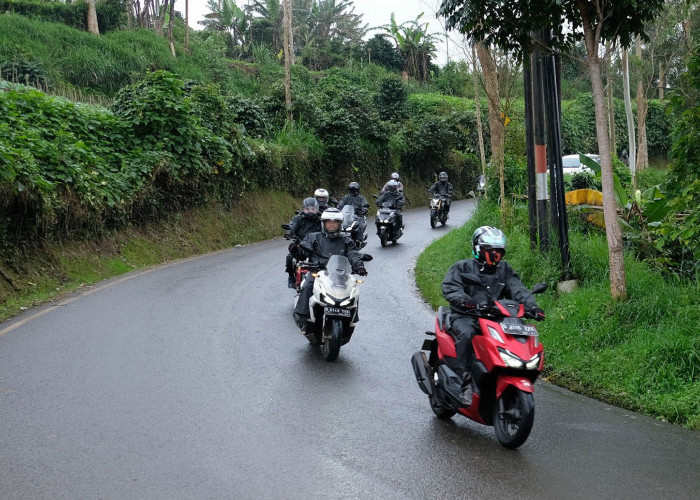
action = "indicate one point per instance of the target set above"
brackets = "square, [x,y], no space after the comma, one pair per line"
[466,279]
[318,248]
[303,224]
[441,187]
[397,200]
[356,200]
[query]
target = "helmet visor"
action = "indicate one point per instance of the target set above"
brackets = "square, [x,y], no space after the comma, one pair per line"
[311,209]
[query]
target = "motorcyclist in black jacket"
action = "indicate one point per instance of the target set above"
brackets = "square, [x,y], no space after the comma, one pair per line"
[393,195]
[472,282]
[355,199]
[443,187]
[305,222]
[318,248]
[323,199]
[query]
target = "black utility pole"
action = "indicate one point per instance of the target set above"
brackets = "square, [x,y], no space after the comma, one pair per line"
[556,172]
[540,148]
[530,141]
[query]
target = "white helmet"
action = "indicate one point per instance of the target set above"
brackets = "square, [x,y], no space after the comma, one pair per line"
[321,193]
[395,176]
[331,214]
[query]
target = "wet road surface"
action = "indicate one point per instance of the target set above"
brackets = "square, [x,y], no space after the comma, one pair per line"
[190,380]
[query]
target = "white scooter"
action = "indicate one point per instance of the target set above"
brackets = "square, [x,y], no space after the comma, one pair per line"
[333,306]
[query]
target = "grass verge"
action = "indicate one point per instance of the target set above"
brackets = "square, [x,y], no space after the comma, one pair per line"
[62,267]
[642,354]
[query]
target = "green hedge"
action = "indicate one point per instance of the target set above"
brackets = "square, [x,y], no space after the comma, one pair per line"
[111,14]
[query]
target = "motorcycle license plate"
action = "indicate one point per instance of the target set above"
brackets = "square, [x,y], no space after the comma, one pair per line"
[336,311]
[514,329]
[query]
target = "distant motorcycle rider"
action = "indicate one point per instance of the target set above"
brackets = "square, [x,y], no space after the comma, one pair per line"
[355,199]
[443,187]
[323,198]
[318,248]
[393,195]
[394,177]
[305,222]
[472,282]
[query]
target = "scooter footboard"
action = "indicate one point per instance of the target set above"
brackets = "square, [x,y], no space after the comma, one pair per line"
[519,382]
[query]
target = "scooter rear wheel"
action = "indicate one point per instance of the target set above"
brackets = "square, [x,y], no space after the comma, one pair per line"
[513,416]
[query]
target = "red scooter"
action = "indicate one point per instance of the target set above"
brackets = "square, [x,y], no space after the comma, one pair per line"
[509,359]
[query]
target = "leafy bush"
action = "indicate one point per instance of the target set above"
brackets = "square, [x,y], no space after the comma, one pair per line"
[111,14]
[391,99]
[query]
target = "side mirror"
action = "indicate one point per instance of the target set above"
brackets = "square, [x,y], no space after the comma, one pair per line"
[286,227]
[366,257]
[375,196]
[539,288]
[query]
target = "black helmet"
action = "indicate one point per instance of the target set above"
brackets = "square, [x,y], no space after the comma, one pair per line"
[392,186]
[309,207]
[332,214]
[354,187]
[442,176]
[488,246]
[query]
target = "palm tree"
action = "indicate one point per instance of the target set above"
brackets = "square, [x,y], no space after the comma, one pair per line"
[416,45]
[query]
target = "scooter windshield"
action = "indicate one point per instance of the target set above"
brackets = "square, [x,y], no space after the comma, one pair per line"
[339,270]
[348,212]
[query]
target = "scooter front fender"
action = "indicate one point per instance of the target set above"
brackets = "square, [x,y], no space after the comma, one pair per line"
[518,382]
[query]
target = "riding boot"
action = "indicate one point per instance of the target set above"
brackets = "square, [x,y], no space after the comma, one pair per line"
[291,282]
[467,389]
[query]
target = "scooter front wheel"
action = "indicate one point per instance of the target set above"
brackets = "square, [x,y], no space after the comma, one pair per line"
[513,416]
[433,218]
[331,345]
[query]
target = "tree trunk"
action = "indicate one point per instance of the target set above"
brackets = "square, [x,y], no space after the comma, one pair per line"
[187,25]
[642,107]
[171,23]
[662,80]
[611,100]
[477,110]
[488,67]
[618,285]
[92,25]
[630,117]
[287,10]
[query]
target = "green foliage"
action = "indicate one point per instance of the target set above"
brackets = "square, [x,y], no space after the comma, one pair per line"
[381,51]
[391,99]
[455,80]
[111,14]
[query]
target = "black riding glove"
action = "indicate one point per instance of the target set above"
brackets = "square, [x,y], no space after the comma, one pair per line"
[537,313]
[362,271]
[469,304]
[287,236]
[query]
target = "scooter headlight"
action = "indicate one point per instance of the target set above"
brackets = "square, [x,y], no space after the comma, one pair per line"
[494,334]
[534,362]
[510,359]
[328,299]
[346,302]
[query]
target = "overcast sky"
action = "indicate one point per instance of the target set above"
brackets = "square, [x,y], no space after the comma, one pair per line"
[374,12]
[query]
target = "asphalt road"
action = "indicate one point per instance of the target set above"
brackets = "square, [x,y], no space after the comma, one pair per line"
[190,380]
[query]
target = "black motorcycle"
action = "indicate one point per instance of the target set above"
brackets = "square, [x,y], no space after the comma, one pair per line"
[438,209]
[355,224]
[388,225]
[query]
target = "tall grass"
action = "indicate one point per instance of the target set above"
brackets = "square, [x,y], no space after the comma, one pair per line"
[642,354]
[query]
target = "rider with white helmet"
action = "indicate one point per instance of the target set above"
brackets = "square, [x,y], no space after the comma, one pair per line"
[394,177]
[318,248]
